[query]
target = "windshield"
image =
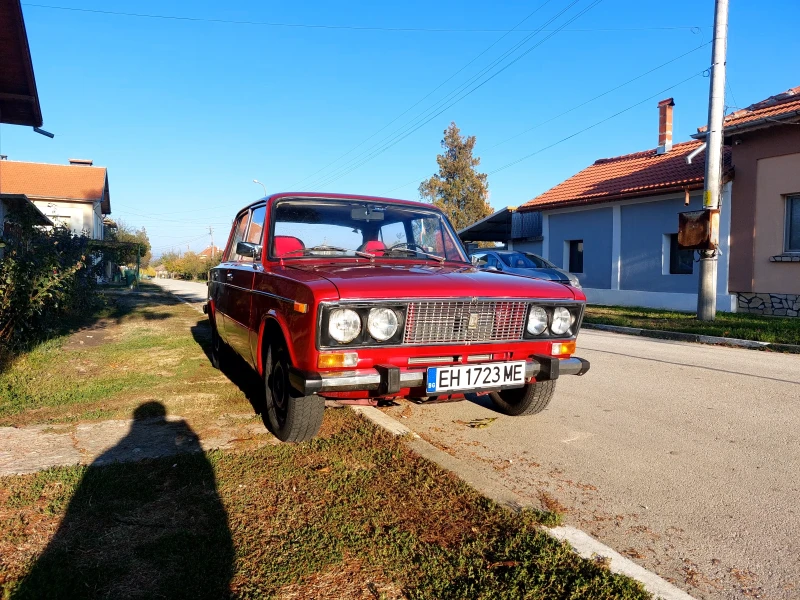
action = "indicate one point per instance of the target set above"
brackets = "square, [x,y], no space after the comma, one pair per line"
[314,228]
[518,260]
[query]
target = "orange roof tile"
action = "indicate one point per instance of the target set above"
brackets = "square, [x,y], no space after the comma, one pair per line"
[779,107]
[40,180]
[632,175]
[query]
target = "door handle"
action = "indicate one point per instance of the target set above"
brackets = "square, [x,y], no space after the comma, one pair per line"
[229,276]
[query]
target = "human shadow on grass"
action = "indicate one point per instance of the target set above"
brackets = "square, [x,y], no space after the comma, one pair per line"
[153,528]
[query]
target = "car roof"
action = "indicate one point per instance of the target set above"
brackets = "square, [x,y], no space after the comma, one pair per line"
[327,196]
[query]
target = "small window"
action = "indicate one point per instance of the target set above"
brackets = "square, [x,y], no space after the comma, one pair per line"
[238,235]
[681,262]
[575,256]
[792,224]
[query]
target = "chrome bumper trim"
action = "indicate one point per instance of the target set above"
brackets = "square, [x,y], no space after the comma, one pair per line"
[372,380]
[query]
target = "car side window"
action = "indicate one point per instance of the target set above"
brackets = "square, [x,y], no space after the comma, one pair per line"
[491,261]
[255,233]
[480,261]
[238,235]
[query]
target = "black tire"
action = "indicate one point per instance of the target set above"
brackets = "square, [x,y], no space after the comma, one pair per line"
[528,400]
[290,417]
[218,347]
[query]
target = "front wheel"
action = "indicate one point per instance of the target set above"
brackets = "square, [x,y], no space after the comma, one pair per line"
[291,418]
[528,400]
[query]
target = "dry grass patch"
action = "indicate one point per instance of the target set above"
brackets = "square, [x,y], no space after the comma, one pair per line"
[352,514]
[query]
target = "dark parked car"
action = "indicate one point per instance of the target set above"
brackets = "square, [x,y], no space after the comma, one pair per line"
[522,263]
[363,299]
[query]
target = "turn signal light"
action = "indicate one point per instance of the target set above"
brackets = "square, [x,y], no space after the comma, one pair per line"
[561,348]
[336,360]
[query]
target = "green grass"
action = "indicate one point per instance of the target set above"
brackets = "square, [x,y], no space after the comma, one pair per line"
[141,347]
[352,514]
[731,325]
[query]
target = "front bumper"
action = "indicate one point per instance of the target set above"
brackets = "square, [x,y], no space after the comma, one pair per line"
[390,379]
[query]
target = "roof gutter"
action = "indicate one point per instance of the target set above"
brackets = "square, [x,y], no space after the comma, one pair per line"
[757,124]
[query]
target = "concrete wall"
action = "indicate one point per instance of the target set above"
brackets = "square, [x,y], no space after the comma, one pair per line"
[626,261]
[751,203]
[534,247]
[776,177]
[80,217]
[642,254]
[594,227]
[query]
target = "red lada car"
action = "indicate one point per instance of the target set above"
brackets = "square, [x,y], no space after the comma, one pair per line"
[363,299]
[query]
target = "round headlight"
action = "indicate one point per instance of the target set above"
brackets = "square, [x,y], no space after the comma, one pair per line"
[382,323]
[537,320]
[561,320]
[344,325]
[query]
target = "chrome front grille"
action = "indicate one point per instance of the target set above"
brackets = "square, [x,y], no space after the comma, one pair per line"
[464,322]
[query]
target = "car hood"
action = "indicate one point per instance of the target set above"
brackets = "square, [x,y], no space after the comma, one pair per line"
[386,281]
[544,273]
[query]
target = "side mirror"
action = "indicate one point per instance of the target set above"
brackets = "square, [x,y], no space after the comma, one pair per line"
[249,249]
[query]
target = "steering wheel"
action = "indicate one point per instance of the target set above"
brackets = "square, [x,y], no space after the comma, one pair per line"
[406,246]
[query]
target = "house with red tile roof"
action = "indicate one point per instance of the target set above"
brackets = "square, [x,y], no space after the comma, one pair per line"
[75,195]
[764,141]
[211,253]
[614,224]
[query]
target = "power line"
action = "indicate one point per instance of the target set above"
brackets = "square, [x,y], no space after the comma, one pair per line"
[403,136]
[614,89]
[327,26]
[426,96]
[574,108]
[585,129]
[342,171]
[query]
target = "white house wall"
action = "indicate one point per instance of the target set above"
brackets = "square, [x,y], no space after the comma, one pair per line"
[624,251]
[80,217]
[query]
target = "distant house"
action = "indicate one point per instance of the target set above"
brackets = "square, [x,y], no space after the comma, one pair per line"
[74,195]
[210,253]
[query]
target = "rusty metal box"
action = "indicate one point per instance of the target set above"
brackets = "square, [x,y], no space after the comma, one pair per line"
[699,229]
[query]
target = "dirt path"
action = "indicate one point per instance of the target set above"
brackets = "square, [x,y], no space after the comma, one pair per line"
[37,447]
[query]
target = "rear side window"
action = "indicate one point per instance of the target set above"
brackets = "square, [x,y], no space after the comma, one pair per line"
[238,235]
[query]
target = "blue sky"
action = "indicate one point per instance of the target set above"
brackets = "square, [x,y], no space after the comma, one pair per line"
[186,113]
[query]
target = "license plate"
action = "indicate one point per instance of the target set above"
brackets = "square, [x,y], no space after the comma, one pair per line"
[475,377]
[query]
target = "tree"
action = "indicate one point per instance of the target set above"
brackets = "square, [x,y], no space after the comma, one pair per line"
[126,233]
[458,189]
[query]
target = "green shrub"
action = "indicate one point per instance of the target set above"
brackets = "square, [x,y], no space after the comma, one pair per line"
[45,276]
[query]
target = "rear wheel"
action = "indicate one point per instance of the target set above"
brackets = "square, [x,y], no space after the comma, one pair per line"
[528,400]
[218,348]
[291,418]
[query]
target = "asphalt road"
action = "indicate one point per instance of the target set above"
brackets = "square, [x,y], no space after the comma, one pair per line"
[191,291]
[684,457]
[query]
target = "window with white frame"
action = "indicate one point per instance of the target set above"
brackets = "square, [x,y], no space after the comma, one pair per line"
[675,260]
[792,243]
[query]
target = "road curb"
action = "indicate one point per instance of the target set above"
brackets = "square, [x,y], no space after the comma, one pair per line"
[584,544]
[694,337]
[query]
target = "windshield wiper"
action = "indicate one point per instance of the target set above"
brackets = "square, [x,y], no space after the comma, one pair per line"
[411,247]
[325,248]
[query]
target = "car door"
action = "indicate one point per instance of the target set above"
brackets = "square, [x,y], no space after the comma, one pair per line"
[219,292]
[239,275]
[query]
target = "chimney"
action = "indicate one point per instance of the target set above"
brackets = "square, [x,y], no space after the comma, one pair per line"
[665,126]
[83,162]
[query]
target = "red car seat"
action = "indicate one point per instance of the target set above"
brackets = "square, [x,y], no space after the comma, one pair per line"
[286,244]
[374,247]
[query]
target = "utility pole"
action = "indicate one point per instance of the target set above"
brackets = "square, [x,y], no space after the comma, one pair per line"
[707,293]
[211,233]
